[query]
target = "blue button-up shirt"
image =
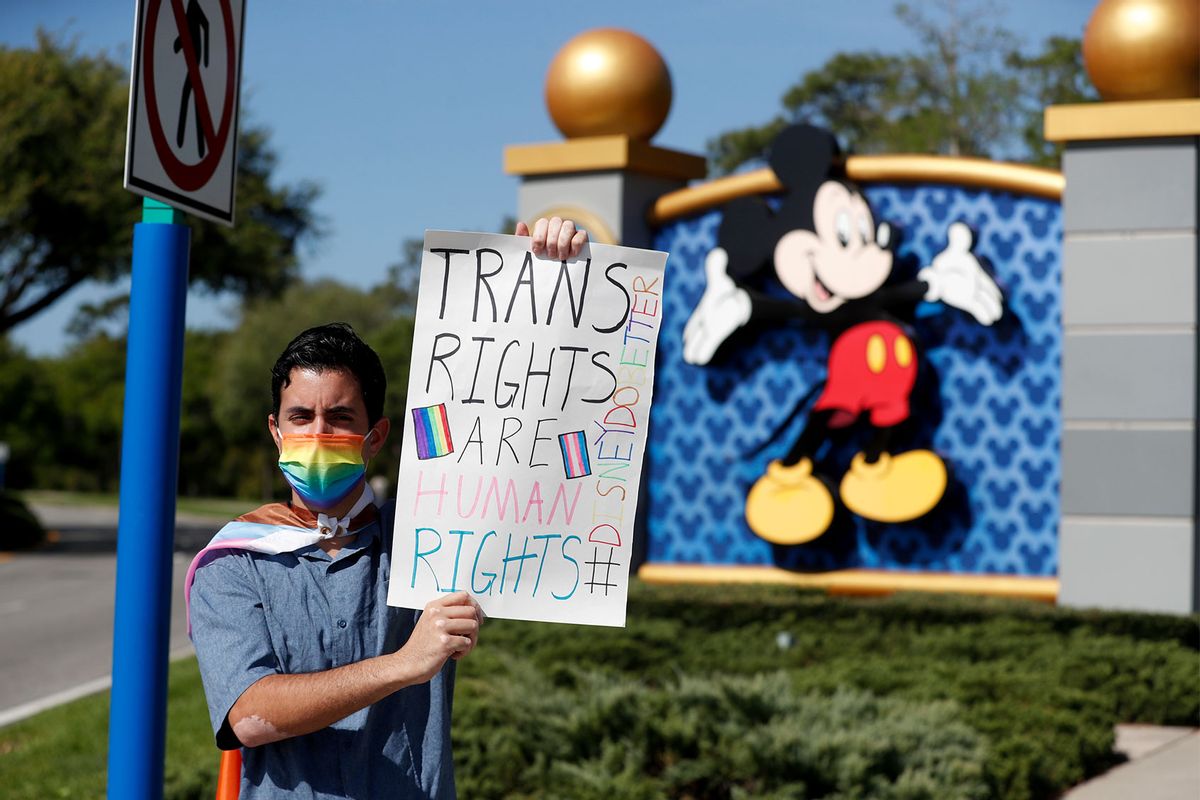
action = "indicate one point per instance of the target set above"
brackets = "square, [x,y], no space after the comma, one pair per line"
[255,615]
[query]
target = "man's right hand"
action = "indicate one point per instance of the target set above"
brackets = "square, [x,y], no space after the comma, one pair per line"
[447,628]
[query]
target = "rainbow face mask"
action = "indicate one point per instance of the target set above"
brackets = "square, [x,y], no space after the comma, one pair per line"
[322,467]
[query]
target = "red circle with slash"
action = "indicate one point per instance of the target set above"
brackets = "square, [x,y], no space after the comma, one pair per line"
[189,177]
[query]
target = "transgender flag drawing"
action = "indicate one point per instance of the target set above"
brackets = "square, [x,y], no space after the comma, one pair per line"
[575,454]
[433,431]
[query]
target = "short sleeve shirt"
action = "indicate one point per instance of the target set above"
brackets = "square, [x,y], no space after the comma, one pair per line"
[255,615]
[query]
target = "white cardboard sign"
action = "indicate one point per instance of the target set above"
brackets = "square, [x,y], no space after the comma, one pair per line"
[183,104]
[528,403]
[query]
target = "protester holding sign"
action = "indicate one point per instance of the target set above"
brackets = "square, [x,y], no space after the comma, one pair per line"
[332,692]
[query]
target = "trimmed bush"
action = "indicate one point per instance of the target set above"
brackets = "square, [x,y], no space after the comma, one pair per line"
[1043,686]
[897,698]
[594,735]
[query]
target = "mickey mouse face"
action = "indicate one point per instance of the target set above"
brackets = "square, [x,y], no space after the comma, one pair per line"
[845,258]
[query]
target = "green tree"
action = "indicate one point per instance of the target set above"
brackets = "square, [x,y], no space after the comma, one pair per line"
[29,415]
[967,90]
[64,216]
[404,276]
[206,467]
[242,369]
[960,91]
[89,385]
[1053,76]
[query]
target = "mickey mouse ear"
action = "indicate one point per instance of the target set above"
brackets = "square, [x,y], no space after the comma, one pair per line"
[801,155]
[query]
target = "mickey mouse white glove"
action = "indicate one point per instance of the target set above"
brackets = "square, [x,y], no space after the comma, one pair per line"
[723,308]
[957,279]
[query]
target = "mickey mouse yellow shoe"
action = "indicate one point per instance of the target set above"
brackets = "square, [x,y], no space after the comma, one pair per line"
[788,505]
[895,488]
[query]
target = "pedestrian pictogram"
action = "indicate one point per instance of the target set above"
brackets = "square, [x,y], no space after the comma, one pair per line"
[184,103]
[197,27]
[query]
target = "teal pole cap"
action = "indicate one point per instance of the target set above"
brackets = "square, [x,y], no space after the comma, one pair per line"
[158,212]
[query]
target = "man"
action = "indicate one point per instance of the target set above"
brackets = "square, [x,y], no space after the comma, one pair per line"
[332,693]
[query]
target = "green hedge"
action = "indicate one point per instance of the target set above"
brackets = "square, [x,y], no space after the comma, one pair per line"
[900,698]
[1043,686]
[594,736]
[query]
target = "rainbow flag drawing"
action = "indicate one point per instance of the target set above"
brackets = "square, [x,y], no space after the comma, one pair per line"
[575,454]
[433,431]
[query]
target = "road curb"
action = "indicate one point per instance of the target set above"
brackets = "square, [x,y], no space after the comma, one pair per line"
[33,707]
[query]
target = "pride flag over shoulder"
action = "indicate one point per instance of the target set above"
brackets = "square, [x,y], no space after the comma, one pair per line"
[279,528]
[528,404]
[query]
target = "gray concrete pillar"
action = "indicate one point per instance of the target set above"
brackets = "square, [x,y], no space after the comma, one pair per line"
[606,183]
[1128,537]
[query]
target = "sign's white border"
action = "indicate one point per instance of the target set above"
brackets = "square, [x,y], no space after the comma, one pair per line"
[159,187]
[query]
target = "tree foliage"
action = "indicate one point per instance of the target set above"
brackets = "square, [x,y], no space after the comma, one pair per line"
[65,217]
[967,90]
[63,214]
[62,416]
[240,373]
[1054,75]
[29,414]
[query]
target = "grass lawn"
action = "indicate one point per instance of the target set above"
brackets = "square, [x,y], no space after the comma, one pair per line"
[746,691]
[63,752]
[217,507]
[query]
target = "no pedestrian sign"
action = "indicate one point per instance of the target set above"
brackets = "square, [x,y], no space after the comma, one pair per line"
[183,104]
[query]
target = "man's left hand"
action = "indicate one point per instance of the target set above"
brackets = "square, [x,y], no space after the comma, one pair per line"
[555,237]
[472,640]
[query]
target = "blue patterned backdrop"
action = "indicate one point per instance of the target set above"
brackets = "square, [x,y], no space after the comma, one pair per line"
[987,400]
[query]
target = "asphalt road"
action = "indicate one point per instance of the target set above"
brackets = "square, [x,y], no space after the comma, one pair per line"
[56,607]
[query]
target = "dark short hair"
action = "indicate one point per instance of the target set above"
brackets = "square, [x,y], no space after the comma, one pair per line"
[332,347]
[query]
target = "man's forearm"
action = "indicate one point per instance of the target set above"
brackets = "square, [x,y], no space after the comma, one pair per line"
[281,706]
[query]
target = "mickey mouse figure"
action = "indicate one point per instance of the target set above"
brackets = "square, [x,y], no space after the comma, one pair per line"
[830,255]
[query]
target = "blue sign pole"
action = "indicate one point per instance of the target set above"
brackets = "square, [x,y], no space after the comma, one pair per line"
[146,528]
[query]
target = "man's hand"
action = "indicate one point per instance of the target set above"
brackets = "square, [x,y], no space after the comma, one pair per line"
[555,237]
[957,279]
[448,628]
[723,308]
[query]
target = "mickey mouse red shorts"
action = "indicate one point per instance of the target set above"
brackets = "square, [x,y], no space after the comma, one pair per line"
[872,368]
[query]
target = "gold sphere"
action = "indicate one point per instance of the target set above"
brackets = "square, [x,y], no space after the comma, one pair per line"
[1144,49]
[608,81]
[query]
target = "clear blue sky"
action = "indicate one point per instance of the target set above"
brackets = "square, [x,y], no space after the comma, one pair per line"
[400,110]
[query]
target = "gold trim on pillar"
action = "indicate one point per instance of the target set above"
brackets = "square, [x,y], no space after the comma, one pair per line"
[960,171]
[858,581]
[597,229]
[1134,119]
[602,153]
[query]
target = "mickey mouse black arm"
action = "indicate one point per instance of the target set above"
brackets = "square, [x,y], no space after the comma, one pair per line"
[902,295]
[725,306]
[767,308]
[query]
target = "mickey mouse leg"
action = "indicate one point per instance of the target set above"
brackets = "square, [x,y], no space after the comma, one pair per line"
[788,504]
[893,488]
